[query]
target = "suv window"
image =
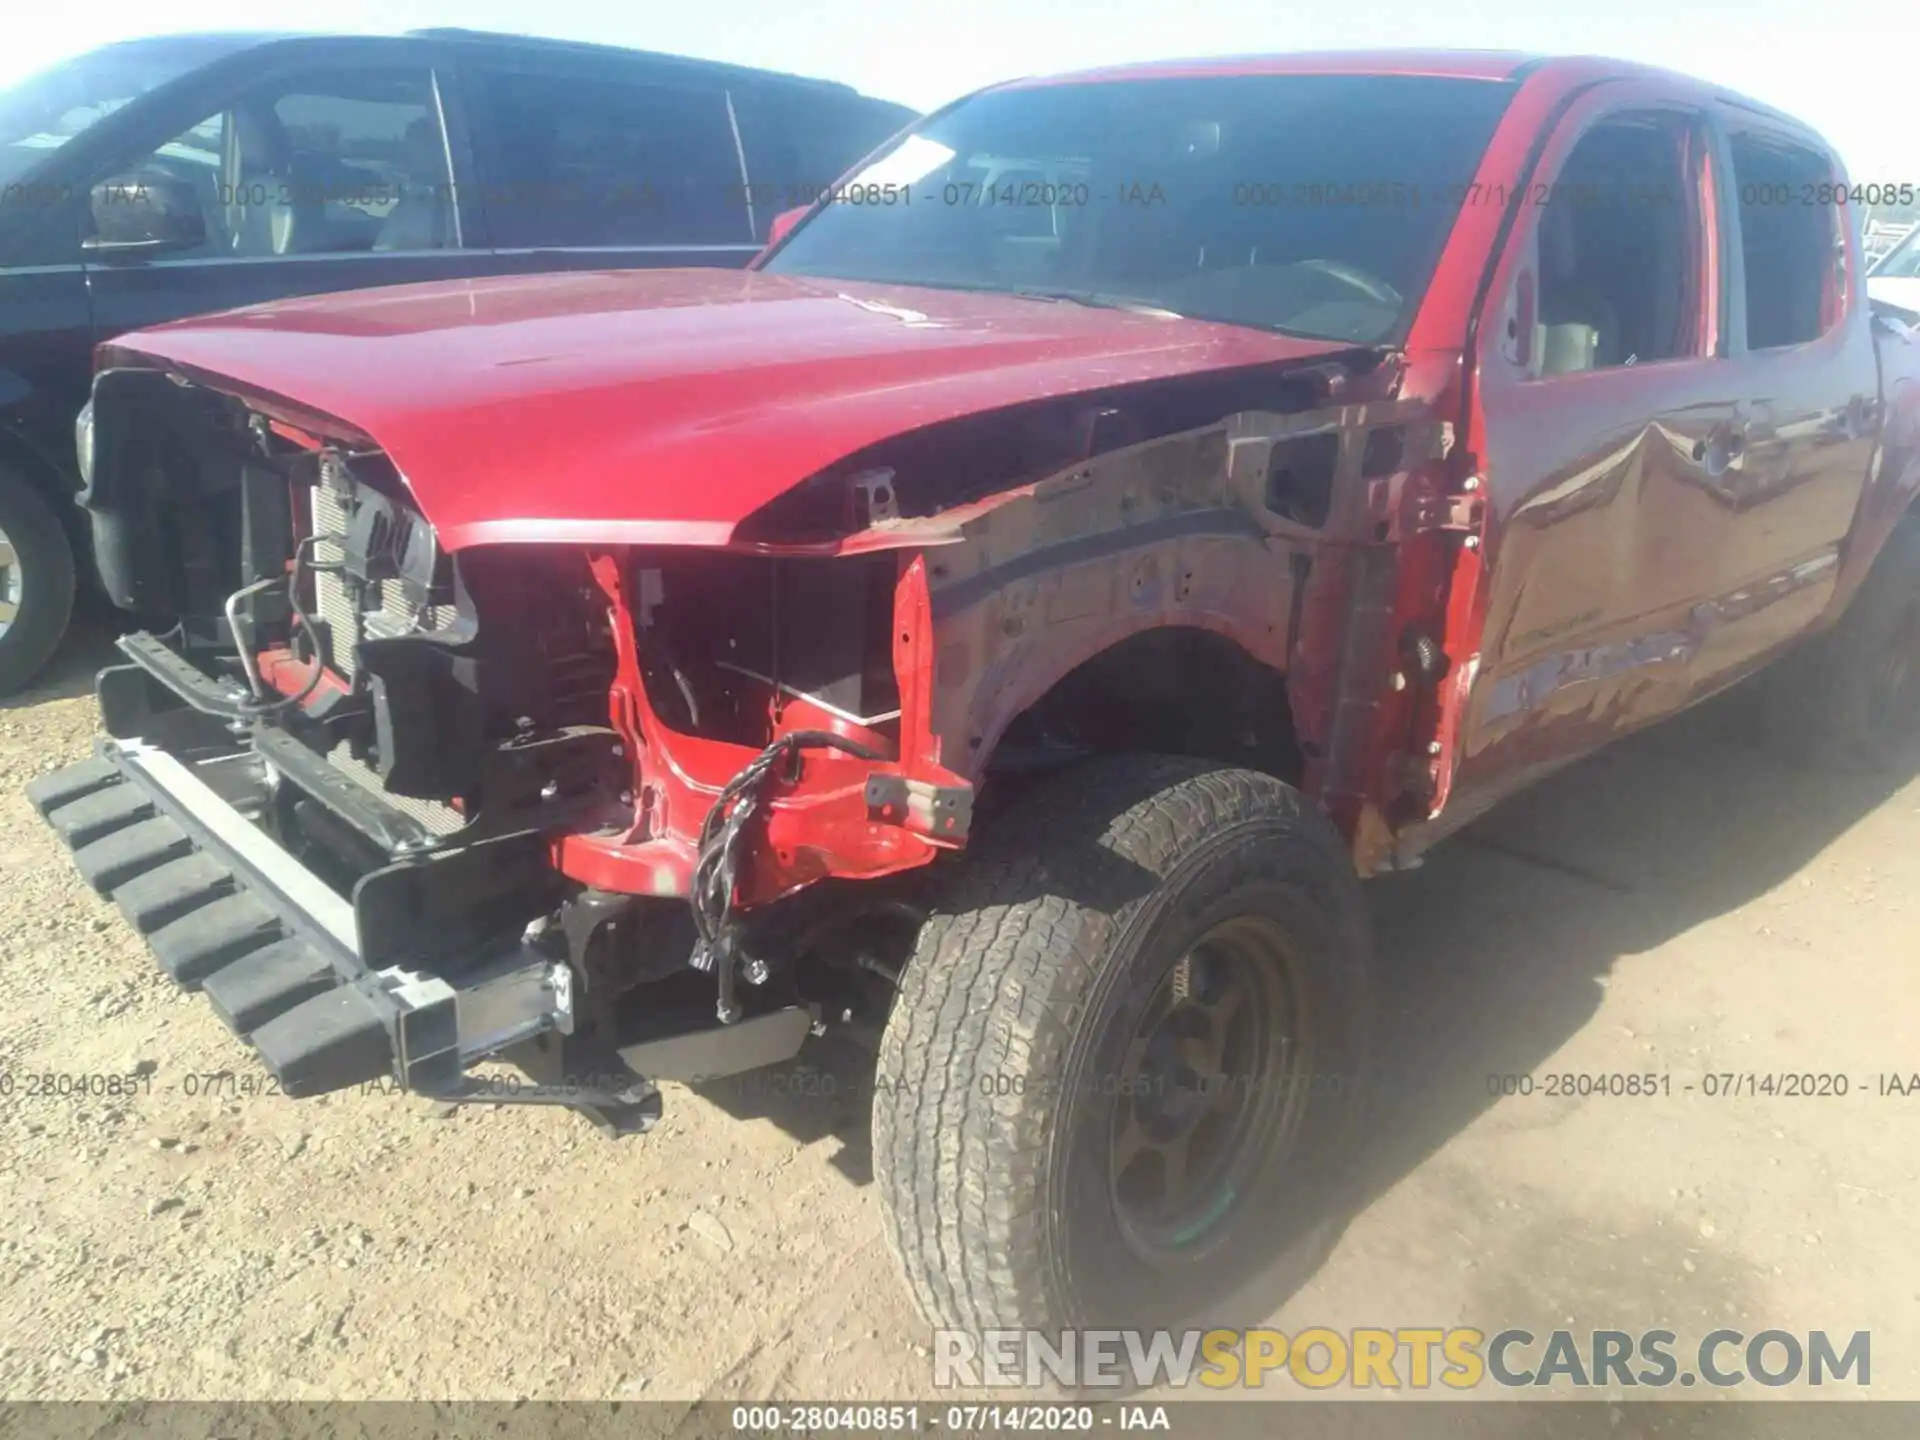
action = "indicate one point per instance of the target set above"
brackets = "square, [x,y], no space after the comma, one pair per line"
[1312,204]
[798,142]
[41,114]
[1618,242]
[319,165]
[595,160]
[1790,240]
[378,156]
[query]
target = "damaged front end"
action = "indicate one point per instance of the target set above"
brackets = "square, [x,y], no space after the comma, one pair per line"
[625,813]
[397,811]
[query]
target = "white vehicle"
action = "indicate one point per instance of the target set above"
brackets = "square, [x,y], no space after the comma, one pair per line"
[1896,279]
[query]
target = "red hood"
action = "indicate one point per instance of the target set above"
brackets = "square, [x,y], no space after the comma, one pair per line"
[664,406]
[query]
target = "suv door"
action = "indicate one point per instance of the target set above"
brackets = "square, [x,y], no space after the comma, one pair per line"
[45,328]
[607,165]
[1608,425]
[336,170]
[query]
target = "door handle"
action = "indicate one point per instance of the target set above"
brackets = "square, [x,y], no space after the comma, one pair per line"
[1719,450]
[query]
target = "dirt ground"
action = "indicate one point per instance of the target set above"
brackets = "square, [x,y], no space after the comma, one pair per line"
[1678,905]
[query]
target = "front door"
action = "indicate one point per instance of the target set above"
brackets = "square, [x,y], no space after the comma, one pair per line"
[319,179]
[45,337]
[1609,426]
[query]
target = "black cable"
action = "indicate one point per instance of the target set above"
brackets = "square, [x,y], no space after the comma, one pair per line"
[717,862]
[716,867]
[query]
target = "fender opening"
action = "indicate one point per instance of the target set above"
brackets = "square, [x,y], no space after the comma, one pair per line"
[1173,691]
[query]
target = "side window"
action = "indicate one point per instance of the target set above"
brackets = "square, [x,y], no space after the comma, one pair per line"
[319,165]
[1618,243]
[369,161]
[799,142]
[598,160]
[196,157]
[1790,240]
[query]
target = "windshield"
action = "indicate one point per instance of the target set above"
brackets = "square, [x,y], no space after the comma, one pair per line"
[1903,261]
[39,115]
[1311,204]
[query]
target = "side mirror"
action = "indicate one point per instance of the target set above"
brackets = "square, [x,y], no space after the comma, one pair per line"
[144,214]
[783,223]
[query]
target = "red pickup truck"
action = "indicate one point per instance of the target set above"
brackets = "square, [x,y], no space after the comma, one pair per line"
[1006,623]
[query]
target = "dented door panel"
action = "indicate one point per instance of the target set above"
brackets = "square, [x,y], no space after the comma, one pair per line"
[1608,549]
[1610,546]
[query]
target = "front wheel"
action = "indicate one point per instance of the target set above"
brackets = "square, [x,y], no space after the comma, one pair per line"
[36,581]
[1123,1070]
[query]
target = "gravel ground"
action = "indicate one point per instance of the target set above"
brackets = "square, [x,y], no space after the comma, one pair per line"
[1676,905]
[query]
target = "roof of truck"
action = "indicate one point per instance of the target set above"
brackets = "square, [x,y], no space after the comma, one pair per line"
[1458,64]
[1489,65]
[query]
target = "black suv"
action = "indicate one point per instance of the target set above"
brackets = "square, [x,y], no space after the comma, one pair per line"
[161,178]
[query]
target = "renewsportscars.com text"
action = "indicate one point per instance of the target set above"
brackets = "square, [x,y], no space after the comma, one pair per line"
[1404,1358]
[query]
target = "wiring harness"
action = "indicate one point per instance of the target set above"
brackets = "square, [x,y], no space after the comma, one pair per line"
[716,868]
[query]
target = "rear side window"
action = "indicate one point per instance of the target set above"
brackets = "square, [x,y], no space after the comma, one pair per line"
[600,160]
[1790,240]
[799,141]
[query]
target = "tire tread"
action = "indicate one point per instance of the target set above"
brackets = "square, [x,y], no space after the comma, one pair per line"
[995,987]
[46,604]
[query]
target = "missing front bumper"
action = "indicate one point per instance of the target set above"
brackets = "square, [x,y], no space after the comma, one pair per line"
[273,948]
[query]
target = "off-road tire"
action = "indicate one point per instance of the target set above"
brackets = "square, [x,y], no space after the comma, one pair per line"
[1825,704]
[45,559]
[988,1137]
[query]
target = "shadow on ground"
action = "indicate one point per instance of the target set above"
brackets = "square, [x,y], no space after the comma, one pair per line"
[1496,952]
[87,649]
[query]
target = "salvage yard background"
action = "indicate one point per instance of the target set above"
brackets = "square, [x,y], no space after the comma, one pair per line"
[1676,905]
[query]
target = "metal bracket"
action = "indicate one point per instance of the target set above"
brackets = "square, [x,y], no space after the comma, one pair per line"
[943,812]
[879,501]
[1459,513]
[633,1110]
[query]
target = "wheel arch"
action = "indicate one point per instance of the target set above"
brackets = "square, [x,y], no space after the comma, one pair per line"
[22,404]
[1194,686]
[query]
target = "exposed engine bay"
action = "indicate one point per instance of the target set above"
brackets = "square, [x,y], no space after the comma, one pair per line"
[639,796]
